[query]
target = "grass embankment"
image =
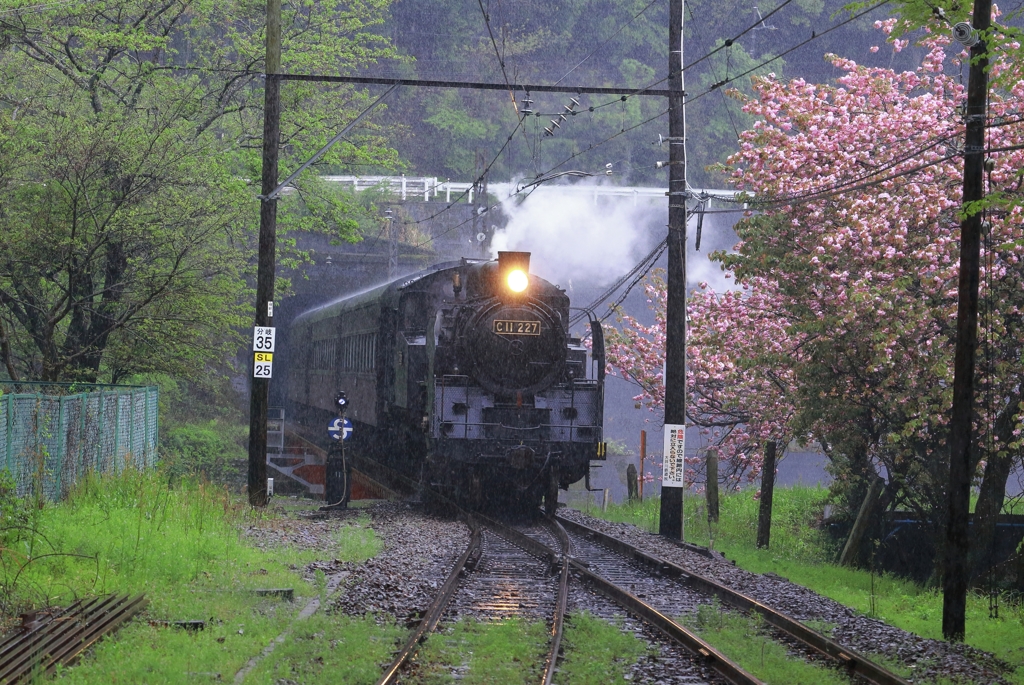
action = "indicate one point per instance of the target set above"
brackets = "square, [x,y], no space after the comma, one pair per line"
[182,547]
[802,553]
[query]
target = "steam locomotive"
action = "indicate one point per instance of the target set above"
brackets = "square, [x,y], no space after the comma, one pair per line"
[463,377]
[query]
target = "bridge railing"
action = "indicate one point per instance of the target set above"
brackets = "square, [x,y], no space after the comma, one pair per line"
[426,187]
[430,188]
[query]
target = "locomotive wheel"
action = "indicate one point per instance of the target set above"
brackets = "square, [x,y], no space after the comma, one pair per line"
[551,494]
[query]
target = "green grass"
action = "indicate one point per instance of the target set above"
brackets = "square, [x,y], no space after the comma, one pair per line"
[801,553]
[484,653]
[597,652]
[182,547]
[744,640]
[331,649]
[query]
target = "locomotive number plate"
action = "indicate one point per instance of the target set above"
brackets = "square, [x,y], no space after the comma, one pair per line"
[516,327]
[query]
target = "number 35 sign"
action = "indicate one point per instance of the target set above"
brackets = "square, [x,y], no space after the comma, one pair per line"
[262,346]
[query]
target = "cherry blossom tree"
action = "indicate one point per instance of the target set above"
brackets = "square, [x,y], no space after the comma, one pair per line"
[841,330]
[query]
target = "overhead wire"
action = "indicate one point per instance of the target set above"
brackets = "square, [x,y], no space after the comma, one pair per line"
[501,60]
[637,272]
[689,100]
[728,43]
[814,36]
[479,178]
[725,102]
[607,40]
[846,187]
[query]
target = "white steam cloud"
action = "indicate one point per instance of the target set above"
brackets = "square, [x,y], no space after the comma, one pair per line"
[576,237]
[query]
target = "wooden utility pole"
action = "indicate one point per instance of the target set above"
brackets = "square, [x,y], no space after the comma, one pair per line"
[764,516]
[259,398]
[956,567]
[671,519]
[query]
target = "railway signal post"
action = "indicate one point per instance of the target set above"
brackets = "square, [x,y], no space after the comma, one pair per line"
[671,519]
[259,399]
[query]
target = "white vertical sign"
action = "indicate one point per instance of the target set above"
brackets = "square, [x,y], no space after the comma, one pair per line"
[675,446]
[263,339]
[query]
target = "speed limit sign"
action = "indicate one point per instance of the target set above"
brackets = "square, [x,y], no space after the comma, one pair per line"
[263,339]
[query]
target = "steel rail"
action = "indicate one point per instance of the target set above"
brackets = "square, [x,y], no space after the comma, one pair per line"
[434,612]
[715,659]
[561,602]
[852,660]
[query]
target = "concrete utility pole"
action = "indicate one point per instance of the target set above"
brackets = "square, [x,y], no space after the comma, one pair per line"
[955,576]
[259,399]
[671,520]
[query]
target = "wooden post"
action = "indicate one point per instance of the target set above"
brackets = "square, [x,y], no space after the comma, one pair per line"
[643,455]
[764,518]
[860,526]
[711,489]
[631,483]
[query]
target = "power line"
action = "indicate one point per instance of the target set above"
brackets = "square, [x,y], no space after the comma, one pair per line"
[608,39]
[642,267]
[501,61]
[472,85]
[649,88]
[602,142]
[728,43]
[845,187]
[479,178]
[814,35]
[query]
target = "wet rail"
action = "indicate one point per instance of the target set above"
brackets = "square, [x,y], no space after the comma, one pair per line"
[496,578]
[433,613]
[630,602]
[690,582]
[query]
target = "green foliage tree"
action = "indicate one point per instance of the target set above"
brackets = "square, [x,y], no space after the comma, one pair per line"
[130,134]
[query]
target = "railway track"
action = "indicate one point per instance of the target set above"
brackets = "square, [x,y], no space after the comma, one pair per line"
[526,571]
[677,591]
[508,571]
[494,579]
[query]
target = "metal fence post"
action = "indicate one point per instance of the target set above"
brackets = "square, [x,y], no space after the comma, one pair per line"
[10,431]
[83,407]
[117,427]
[61,448]
[156,426]
[99,431]
[131,428]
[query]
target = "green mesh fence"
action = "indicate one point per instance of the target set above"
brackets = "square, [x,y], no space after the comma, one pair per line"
[51,434]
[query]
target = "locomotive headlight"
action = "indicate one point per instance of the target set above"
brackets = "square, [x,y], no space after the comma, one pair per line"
[512,279]
[517,280]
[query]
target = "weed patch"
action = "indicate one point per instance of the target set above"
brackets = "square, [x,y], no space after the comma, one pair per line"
[485,653]
[331,649]
[804,555]
[745,641]
[181,546]
[597,652]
